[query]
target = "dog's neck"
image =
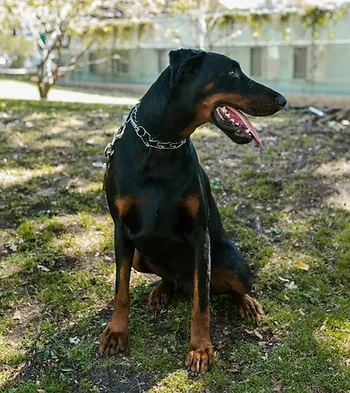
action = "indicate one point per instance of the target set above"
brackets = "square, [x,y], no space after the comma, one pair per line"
[164,114]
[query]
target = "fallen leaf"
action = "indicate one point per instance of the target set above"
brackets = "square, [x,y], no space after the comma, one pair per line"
[226,331]
[74,340]
[41,391]
[13,247]
[303,266]
[17,315]
[276,388]
[283,279]
[43,268]
[220,346]
[291,285]
[258,334]
[324,324]
[301,311]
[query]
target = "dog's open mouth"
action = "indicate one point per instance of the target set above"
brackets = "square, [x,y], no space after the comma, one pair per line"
[235,125]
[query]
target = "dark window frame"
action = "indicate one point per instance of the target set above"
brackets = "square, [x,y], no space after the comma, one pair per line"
[93,66]
[121,65]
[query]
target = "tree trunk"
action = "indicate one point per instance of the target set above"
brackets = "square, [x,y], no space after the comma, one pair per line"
[44,89]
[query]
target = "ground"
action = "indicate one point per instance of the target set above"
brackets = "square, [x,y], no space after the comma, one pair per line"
[286,206]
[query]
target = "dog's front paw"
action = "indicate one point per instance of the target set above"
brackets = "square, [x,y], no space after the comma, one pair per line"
[113,339]
[199,358]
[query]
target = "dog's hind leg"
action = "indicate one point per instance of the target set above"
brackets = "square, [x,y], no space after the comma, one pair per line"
[230,272]
[225,279]
[162,293]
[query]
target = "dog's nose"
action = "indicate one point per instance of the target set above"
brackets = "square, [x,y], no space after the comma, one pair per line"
[281,101]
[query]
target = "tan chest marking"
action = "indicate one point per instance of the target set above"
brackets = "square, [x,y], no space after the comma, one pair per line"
[192,204]
[124,204]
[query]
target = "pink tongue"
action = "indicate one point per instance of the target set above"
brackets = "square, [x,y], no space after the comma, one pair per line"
[236,113]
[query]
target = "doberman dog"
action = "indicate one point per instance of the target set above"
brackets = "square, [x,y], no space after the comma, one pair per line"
[166,220]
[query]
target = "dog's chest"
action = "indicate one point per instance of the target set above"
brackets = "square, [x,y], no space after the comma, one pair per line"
[156,218]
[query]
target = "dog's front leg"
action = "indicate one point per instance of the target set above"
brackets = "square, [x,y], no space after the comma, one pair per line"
[115,335]
[200,352]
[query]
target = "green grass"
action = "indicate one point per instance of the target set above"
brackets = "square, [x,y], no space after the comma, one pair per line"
[57,269]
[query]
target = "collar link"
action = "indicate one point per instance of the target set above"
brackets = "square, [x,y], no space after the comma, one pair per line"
[146,137]
[142,133]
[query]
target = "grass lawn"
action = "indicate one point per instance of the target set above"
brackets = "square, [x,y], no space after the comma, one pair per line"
[284,205]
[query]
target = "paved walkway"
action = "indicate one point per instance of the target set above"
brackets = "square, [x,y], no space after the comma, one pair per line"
[10,89]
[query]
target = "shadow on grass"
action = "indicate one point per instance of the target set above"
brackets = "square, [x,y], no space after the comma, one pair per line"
[68,360]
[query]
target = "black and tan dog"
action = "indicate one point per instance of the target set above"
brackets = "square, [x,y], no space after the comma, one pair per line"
[166,220]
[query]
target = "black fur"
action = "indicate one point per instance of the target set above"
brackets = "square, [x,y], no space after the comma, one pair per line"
[172,241]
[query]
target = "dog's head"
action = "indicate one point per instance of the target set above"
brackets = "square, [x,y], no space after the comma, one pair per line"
[218,90]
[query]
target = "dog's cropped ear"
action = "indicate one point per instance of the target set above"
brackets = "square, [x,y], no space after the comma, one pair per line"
[182,61]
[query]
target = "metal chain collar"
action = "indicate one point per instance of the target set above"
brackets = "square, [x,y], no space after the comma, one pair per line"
[141,132]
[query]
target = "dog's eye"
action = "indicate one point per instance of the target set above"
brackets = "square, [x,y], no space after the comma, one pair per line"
[232,73]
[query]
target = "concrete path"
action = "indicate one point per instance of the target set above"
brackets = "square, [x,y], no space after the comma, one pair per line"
[10,89]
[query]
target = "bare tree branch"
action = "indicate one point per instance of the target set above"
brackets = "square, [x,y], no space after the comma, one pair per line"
[74,60]
[51,21]
[64,70]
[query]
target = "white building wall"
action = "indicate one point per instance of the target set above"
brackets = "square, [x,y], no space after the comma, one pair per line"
[328,70]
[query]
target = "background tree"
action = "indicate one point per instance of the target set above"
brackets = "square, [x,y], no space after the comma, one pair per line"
[210,15]
[15,46]
[53,24]
[204,13]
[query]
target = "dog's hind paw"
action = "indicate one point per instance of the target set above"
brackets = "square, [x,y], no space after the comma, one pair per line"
[249,308]
[160,296]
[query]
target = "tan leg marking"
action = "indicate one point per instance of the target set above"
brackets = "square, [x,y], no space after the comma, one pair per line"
[140,264]
[115,335]
[223,281]
[200,351]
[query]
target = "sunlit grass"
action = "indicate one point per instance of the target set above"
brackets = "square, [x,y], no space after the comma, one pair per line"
[12,176]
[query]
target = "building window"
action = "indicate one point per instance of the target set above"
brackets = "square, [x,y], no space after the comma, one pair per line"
[92,65]
[256,61]
[300,56]
[121,65]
